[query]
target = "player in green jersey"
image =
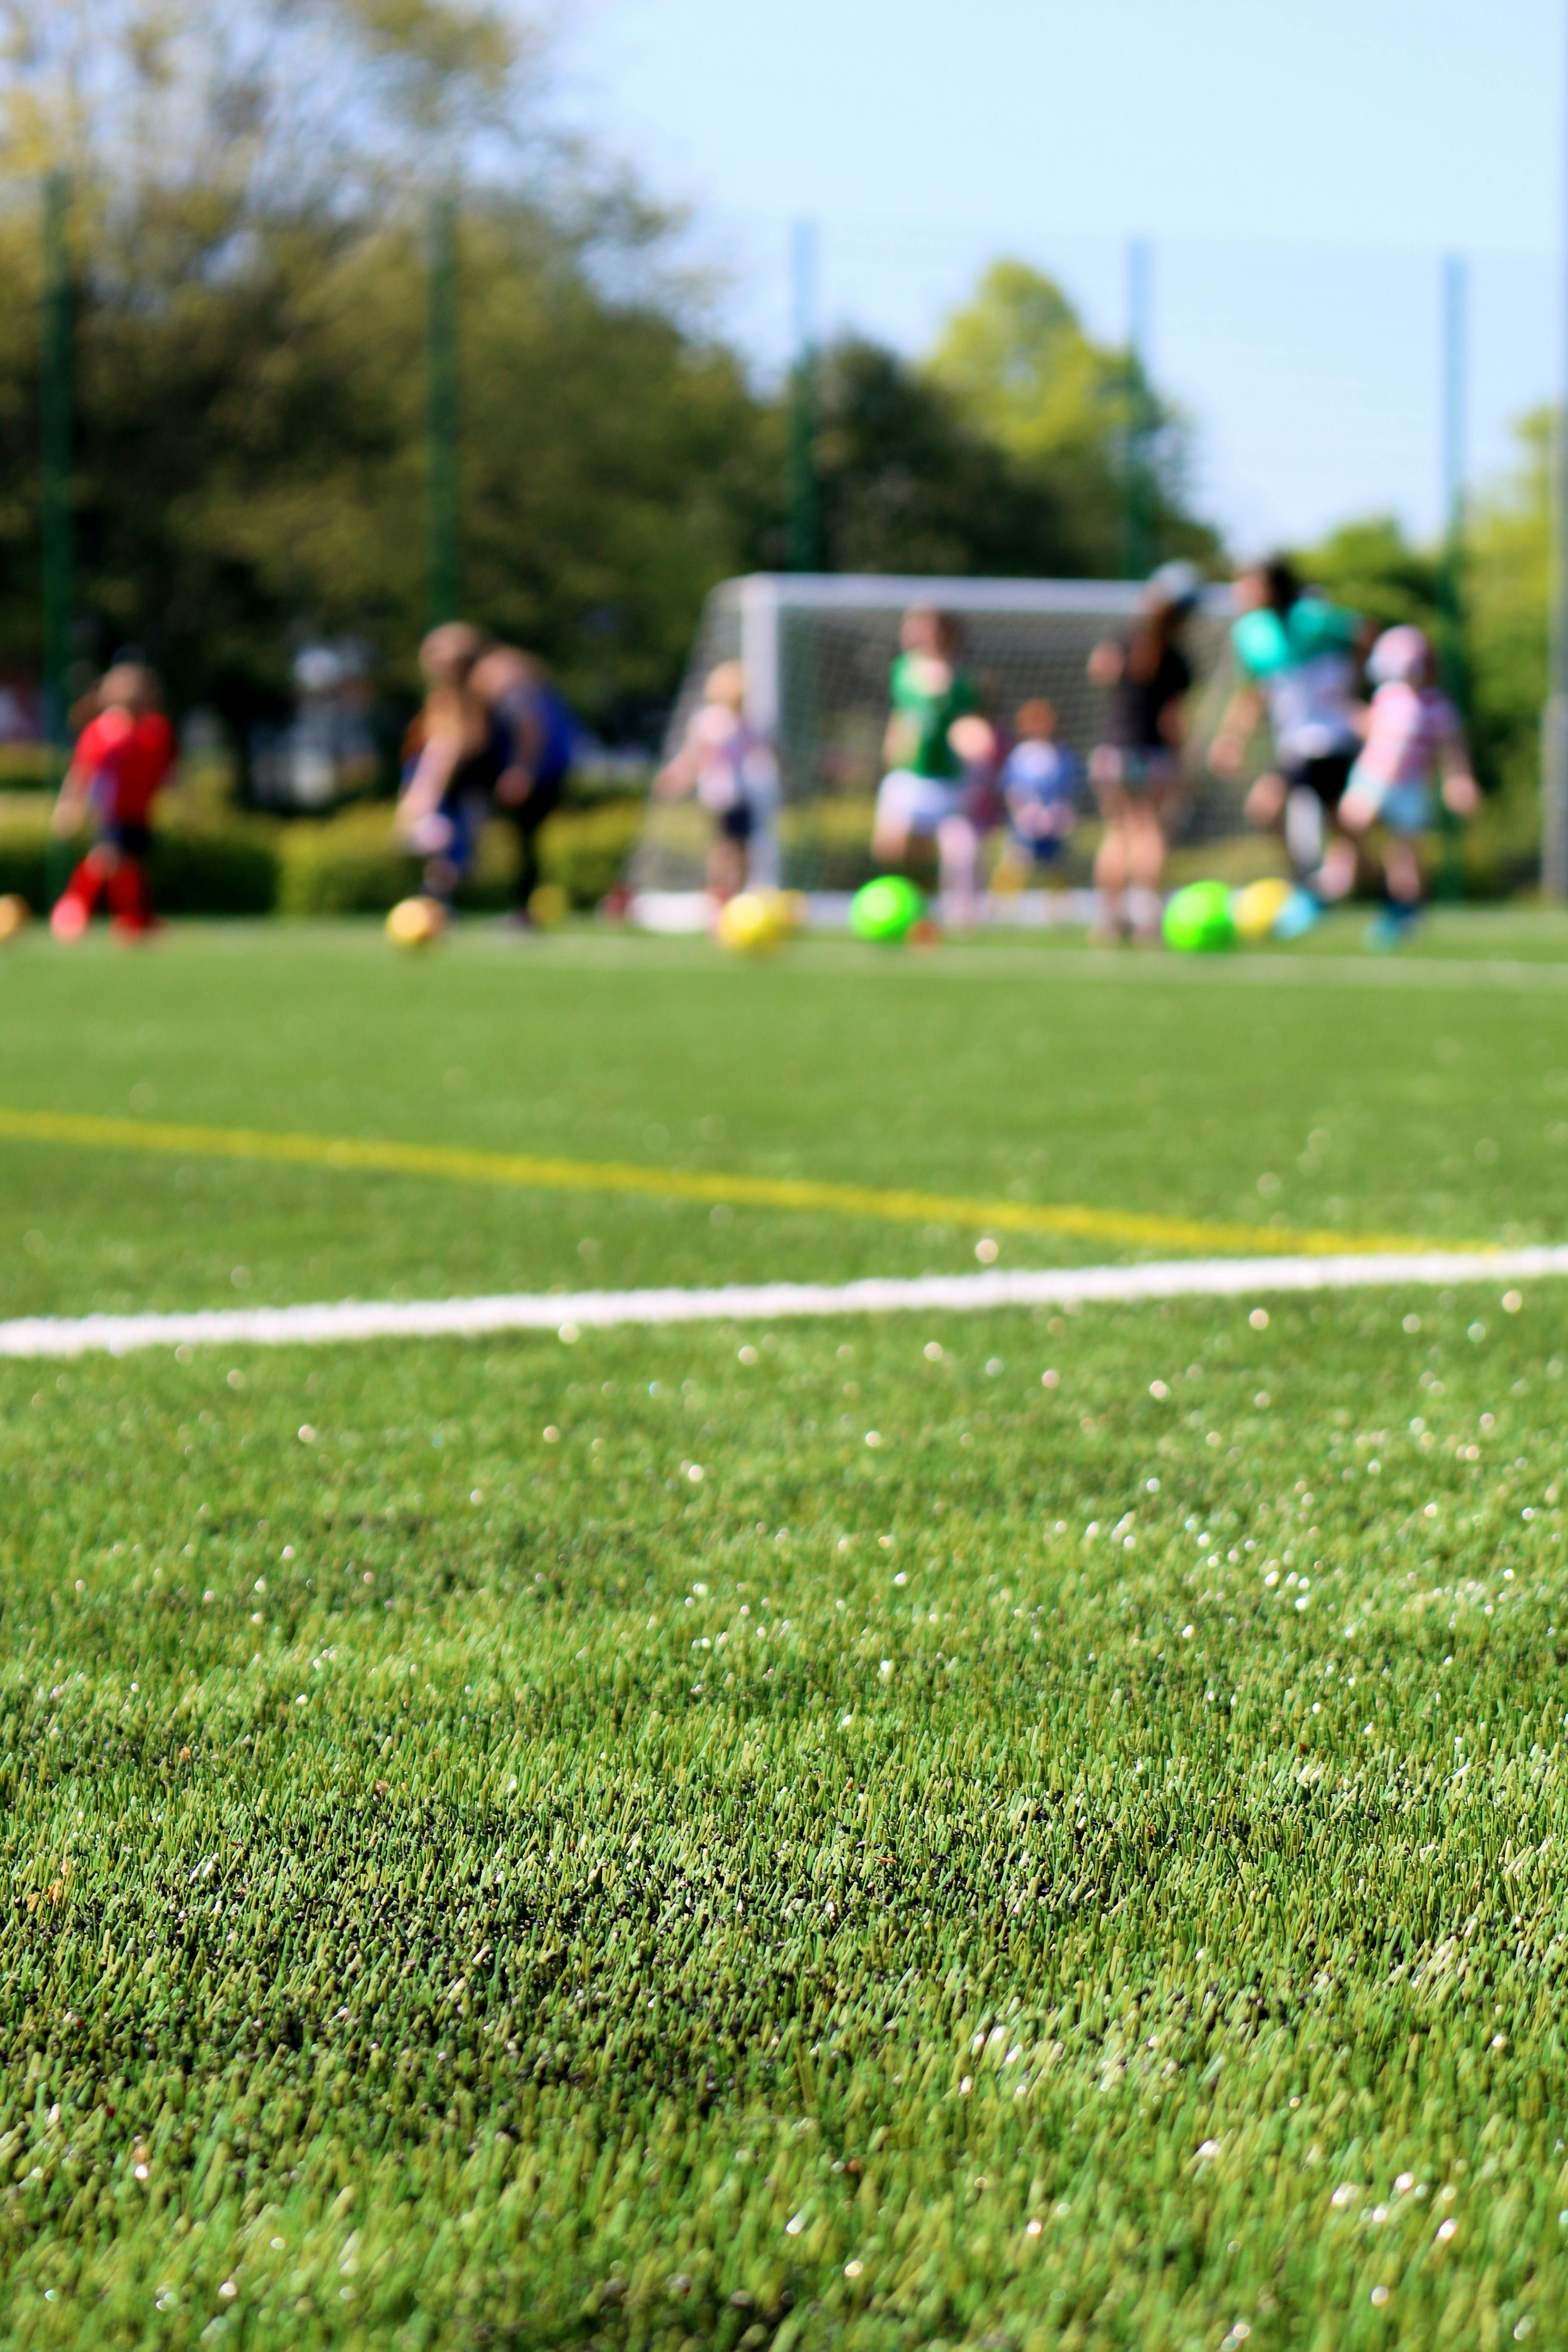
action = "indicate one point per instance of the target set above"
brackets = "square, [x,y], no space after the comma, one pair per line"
[936,738]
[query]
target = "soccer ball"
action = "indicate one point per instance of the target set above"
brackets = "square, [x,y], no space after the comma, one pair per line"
[549,905]
[1199,920]
[1256,910]
[416,922]
[14,917]
[750,923]
[886,910]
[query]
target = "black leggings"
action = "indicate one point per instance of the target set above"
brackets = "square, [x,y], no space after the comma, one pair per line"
[541,802]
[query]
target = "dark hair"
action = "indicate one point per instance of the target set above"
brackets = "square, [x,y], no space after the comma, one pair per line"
[1280,579]
[1153,638]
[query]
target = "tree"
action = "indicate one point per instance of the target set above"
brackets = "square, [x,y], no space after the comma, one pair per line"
[1508,584]
[250,304]
[1016,362]
[1373,566]
[908,484]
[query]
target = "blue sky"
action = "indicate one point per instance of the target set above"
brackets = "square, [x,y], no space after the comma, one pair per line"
[1298,171]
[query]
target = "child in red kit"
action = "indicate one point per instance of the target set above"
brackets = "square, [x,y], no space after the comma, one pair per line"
[121,762]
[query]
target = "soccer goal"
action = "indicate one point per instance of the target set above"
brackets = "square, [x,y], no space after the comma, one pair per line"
[817,651]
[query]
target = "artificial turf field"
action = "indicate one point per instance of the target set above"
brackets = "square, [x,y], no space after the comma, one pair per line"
[526,1843]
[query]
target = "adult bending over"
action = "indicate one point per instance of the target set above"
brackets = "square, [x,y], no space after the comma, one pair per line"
[537,744]
[453,761]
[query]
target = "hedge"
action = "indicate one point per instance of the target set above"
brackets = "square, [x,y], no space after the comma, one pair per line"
[207,862]
[197,869]
[343,865]
[28,768]
[353,864]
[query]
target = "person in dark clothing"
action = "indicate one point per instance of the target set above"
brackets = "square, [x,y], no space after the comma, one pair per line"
[1135,771]
[1298,658]
[452,761]
[537,734]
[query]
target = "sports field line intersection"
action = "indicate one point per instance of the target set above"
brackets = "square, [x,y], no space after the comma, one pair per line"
[1132,1228]
[571,1314]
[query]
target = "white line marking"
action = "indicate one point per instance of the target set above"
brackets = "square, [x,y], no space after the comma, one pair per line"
[572,1313]
[824,958]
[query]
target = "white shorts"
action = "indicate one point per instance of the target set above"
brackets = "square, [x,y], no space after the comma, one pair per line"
[917,803]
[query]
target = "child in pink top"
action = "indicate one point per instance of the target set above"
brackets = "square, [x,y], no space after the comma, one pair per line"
[733,772]
[1413,735]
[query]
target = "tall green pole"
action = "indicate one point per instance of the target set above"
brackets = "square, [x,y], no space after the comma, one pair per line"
[803,523]
[1137,472]
[443,556]
[1454,346]
[1554,717]
[55,468]
[1453,656]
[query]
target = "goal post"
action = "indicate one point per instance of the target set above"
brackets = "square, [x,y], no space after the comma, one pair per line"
[817,651]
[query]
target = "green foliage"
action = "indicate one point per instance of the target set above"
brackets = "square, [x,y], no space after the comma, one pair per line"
[584,851]
[1018,366]
[24,851]
[347,864]
[214,869]
[1372,567]
[1003,454]
[469,1879]
[251,376]
[1505,583]
[28,768]
[354,865]
[1019,360]
[909,485]
[199,866]
[252,370]
[1509,574]
[351,864]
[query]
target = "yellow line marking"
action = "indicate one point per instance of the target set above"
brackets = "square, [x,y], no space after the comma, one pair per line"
[1132,1228]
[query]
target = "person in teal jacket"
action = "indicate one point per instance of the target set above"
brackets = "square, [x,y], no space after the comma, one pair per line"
[1298,658]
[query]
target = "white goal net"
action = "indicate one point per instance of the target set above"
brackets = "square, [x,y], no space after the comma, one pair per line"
[817,652]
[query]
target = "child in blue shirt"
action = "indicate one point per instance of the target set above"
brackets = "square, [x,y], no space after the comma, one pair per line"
[1040,780]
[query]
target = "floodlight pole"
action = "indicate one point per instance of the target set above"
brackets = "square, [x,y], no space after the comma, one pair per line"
[1453,650]
[1456,404]
[1137,520]
[1554,718]
[55,468]
[443,557]
[803,515]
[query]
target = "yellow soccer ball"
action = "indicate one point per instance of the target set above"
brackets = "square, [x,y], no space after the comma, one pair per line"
[749,923]
[549,905]
[14,917]
[416,922]
[1256,910]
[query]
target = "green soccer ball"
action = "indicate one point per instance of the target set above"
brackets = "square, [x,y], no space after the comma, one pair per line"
[887,909]
[1199,920]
